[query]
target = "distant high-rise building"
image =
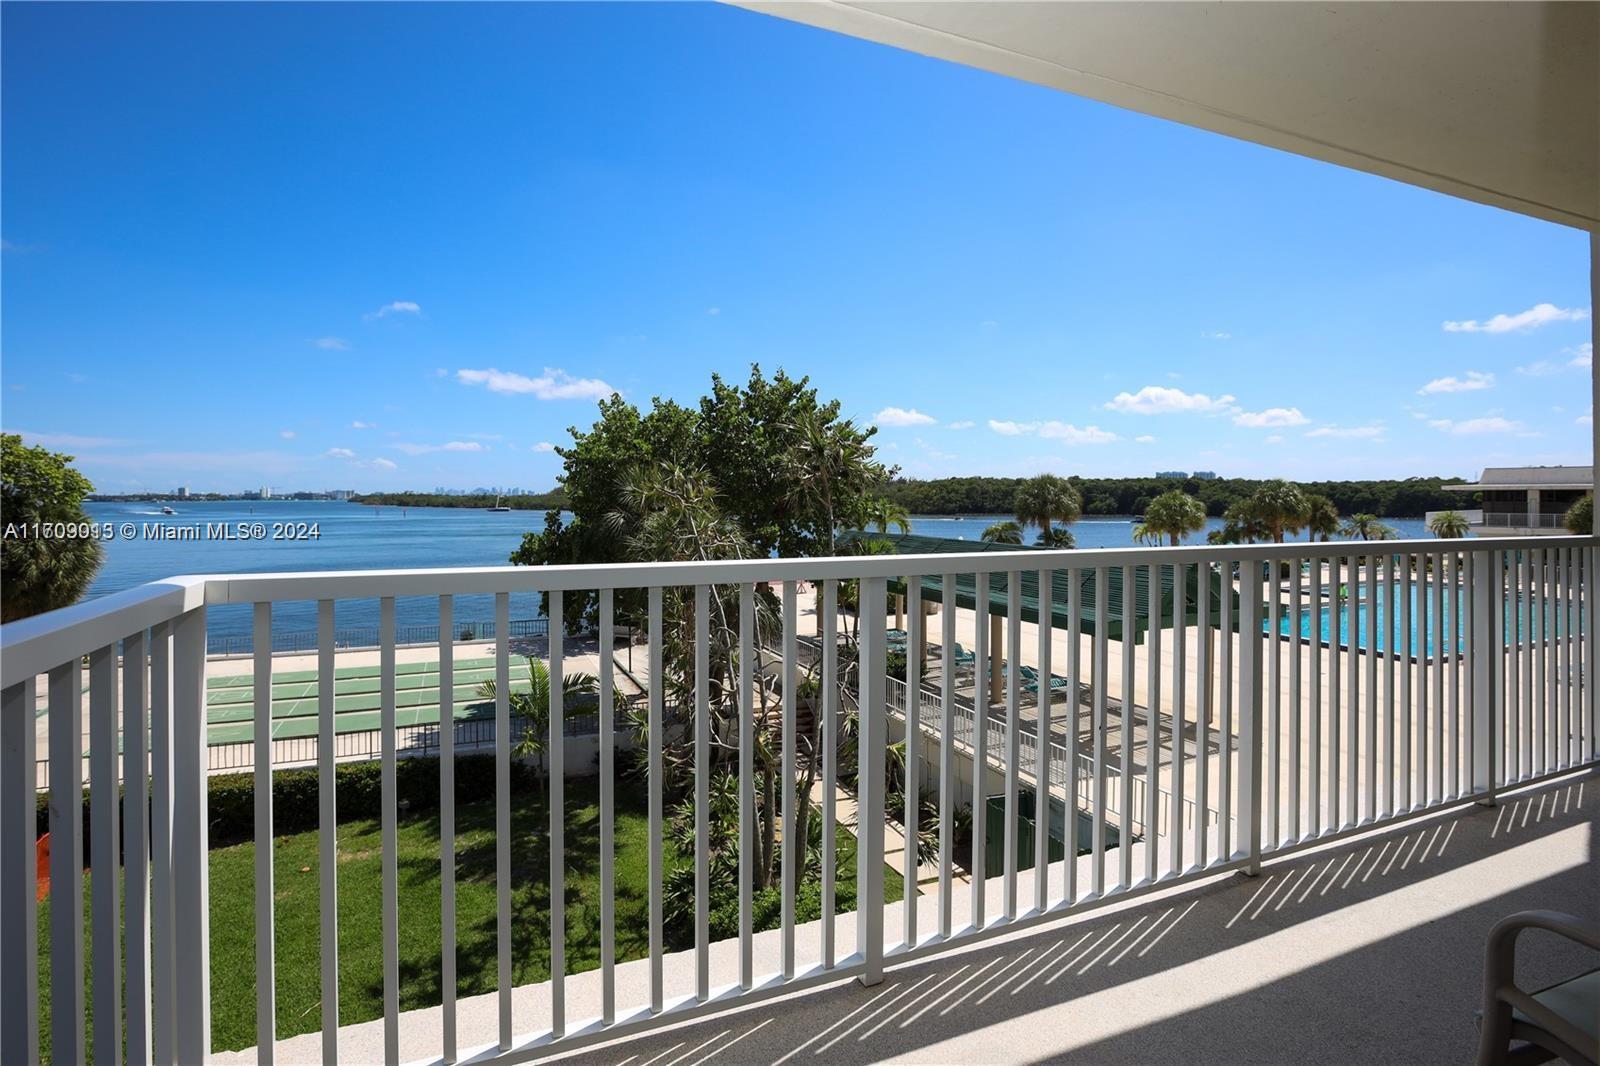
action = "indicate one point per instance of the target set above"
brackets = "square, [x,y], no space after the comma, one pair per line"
[183,492]
[266,493]
[1204,475]
[1172,473]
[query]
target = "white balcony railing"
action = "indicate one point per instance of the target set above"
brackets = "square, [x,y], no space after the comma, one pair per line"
[1520,520]
[1479,676]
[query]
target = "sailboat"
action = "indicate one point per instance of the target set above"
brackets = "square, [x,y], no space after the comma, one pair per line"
[498,507]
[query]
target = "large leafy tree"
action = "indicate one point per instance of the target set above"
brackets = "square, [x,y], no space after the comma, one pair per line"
[1173,515]
[1045,500]
[1322,517]
[1369,527]
[1278,508]
[1579,519]
[42,573]
[1449,525]
[1004,533]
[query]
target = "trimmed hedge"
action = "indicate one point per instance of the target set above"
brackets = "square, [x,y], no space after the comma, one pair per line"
[231,798]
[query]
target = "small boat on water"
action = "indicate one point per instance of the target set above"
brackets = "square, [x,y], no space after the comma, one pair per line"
[498,508]
[168,510]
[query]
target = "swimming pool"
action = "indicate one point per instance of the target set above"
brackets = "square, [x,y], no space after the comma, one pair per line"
[1376,626]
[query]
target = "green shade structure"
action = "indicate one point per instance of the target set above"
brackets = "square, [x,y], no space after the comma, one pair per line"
[1070,587]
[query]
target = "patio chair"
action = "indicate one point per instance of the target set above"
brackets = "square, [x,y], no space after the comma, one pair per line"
[1562,1020]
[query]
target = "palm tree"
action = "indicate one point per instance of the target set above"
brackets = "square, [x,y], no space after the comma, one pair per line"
[883,512]
[1004,533]
[1368,527]
[1056,537]
[1449,525]
[1046,500]
[1173,515]
[830,468]
[533,706]
[1322,519]
[1278,507]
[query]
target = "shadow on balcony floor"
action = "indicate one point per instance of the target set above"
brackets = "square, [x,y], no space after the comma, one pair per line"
[1370,951]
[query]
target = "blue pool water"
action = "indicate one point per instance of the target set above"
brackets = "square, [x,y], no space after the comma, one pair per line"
[1377,626]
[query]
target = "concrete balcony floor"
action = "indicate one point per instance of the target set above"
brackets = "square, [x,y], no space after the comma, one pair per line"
[1368,950]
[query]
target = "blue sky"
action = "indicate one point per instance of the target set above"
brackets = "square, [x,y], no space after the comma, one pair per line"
[403,246]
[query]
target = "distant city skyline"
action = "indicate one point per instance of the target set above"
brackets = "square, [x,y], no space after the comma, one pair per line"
[420,265]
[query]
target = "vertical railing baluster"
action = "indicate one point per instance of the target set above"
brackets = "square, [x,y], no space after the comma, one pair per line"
[1180,713]
[980,743]
[828,615]
[1069,858]
[104,858]
[1313,627]
[1440,645]
[1152,723]
[1453,627]
[787,801]
[915,648]
[1273,750]
[1097,726]
[190,855]
[135,846]
[556,764]
[608,810]
[1369,716]
[947,753]
[1013,737]
[1485,737]
[1042,743]
[702,792]
[1568,665]
[327,834]
[747,773]
[1387,767]
[1202,714]
[1250,753]
[502,821]
[870,786]
[1536,629]
[1225,731]
[447,828]
[1516,750]
[66,865]
[1296,698]
[19,981]
[1336,658]
[163,938]
[1352,769]
[1552,674]
[266,973]
[389,827]
[1130,636]
[658,686]
[1591,706]
[1407,645]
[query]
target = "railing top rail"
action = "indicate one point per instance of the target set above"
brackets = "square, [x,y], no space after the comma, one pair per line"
[31,646]
[356,584]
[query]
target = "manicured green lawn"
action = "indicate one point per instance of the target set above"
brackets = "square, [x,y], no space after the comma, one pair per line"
[296,881]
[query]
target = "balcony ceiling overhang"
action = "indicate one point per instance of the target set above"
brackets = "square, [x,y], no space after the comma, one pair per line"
[1493,102]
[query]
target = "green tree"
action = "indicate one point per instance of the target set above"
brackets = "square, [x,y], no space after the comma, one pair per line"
[1580,517]
[42,573]
[1004,533]
[1368,527]
[1046,500]
[1056,537]
[1173,515]
[882,512]
[1279,508]
[1450,525]
[1322,517]
[533,706]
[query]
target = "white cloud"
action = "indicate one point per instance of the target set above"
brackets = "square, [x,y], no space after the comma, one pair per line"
[1582,355]
[1216,335]
[1054,430]
[1276,438]
[1271,418]
[1585,420]
[332,344]
[1161,400]
[1358,432]
[340,453]
[900,416]
[67,440]
[286,434]
[551,385]
[965,423]
[1473,382]
[358,424]
[448,446]
[1542,368]
[1144,439]
[713,311]
[544,446]
[1475,426]
[1534,317]
[398,307]
[386,464]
